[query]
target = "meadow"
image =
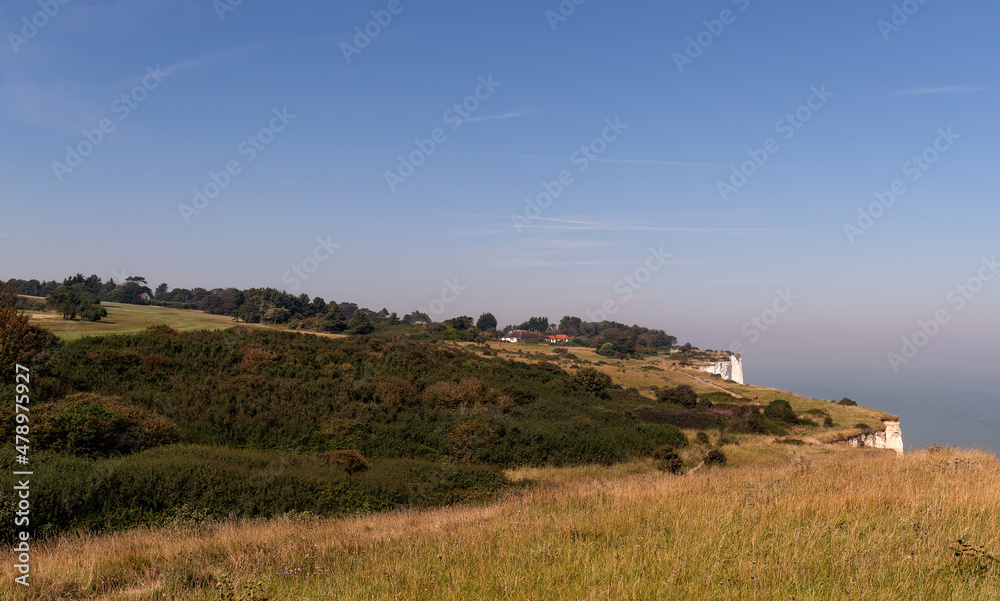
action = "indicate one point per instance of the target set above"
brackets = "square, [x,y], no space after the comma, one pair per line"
[804,523]
[125,319]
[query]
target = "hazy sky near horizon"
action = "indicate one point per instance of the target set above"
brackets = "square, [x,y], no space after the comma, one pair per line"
[691,160]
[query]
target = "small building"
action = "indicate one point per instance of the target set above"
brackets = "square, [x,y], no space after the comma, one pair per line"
[522,336]
[559,339]
[145,296]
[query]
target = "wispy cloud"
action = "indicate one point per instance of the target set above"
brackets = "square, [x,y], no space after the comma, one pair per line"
[571,224]
[526,262]
[509,115]
[599,160]
[939,90]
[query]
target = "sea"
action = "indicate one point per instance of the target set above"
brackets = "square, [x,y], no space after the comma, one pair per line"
[960,410]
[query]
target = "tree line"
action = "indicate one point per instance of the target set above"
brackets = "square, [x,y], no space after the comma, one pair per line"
[79,297]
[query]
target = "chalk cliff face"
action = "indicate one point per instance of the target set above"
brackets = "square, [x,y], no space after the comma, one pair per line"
[729,370]
[890,438]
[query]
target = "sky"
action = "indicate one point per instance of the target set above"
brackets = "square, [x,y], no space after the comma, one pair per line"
[809,183]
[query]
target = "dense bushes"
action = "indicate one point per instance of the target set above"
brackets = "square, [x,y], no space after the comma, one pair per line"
[668,460]
[145,488]
[593,381]
[93,426]
[692,420]
[715,457]
[781,410]
[384,397]
[682,395]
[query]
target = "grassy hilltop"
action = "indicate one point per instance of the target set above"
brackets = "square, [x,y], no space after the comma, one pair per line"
[253,463]
[128,319]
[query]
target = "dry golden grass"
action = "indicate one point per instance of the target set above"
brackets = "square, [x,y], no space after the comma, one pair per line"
[814,522]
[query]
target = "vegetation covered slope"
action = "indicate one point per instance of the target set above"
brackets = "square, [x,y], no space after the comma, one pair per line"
[778,523]
[429,421]
[385,397]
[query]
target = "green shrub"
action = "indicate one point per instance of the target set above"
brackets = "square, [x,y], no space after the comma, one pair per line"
[94,426]
[847,402]
[828,422]
[781,410]
[351,460]
[96,314]
[702,438]
[863,426]
[667,459]
[593,381]
[682,395]
[715,457]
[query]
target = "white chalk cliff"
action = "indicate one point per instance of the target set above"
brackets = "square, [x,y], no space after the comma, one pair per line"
[890,438]
[729,370]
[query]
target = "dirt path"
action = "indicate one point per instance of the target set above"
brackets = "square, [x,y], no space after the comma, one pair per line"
[694,378]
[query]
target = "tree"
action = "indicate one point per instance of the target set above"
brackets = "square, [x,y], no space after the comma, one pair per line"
[607,350]
[359,324]
[162,292]
[71,301]
[535,324]
[348,309]
[682,395]
[316,308]
[570,325]
[460,323]
[333,321]
[277,315]
[131,291]
[416,316]
[486,323]
[20,342]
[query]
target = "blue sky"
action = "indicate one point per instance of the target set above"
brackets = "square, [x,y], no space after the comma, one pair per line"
[652,182]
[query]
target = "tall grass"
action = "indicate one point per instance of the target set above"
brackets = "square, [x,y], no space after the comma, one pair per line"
[780,523]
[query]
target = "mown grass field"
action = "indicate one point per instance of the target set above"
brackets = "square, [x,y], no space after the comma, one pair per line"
[126,319]
[803,523]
